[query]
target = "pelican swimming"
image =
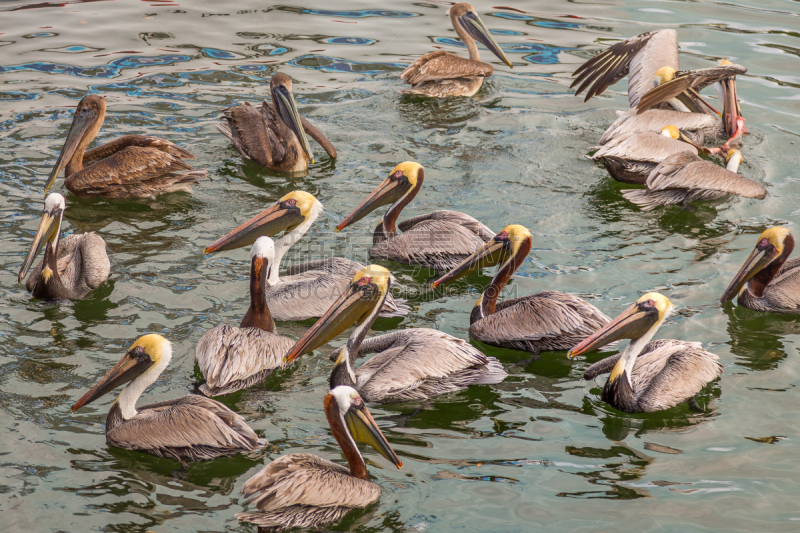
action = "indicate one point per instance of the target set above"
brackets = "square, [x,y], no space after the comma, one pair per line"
[441,73]
[232,358]
[651,60]
[768,279]
[439,240]
[545,321]
[274,136]
[72,266]
[631,157]
[305,491]
[189,428]
[648,376]
[134,166]
[411,364]
[310,288]
[685,177]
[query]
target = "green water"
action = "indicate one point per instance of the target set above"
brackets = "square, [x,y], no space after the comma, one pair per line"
[537,452]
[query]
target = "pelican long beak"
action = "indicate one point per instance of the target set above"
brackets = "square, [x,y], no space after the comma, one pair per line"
[755,262]
[493,253]
[478,30]
[127,369]
[269,222]
[351,307]
[731,112]
[388,192]
[48,229]
[284,102]
[631,324]
[364,429]
[81,125]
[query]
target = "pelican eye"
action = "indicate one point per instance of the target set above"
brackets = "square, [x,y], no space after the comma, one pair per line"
[649,304]
[502,236]
[364,281]
[763,244]
[397,175]
[357,400]
[138,352]
[291,202]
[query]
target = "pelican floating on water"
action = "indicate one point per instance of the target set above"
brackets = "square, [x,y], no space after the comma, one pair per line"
[685,177]
[439,240]
[651,60]
[631,157]
[305,491]
[232,358]
[274,136]
[72,266]
[412,364]
[133,166]
[768,279]
[545,321]
[441,73]
[310,288]
[189,428]
[648,376]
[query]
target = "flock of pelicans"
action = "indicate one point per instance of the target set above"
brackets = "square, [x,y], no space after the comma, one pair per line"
[655,143]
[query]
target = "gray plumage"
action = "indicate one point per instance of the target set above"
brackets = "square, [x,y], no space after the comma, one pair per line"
[420,363]
[666,373]
[82,266]
[233,358]
[545,321]
[439,240]
[631,157]
[638,57]
[310,288]
[696,126]
[189,428]
[304,491]
[684,80]
[684,177]
[441,74]
[781,295]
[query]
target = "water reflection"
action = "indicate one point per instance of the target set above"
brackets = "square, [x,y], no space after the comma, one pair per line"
[621,466]
[756,338]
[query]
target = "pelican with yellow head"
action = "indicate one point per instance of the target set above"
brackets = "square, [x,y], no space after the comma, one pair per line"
[439,240]
[768,280]
[545,321]
[189,428]
[648,376]
[411,364]
[310,287]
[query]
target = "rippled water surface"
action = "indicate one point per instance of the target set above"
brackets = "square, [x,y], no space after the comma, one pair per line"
[539,451]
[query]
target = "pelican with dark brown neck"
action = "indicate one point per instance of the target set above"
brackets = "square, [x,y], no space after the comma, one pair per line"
[768,279]
[545,321]
[133,166]
[439,240]
[305,491]
[232,358]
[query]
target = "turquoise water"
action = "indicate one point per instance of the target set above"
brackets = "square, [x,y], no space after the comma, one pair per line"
[537,451]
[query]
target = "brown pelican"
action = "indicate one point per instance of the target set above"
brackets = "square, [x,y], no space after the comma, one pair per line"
[305,491]
[685,177]
[649,376]
[631,157]
[651,59]
[189,428]
[72,266]
[441,73]
[310,288]
[768,280]
[412,364]
[232,358]
[134,166]
[439,240]
[545,321]
[275,135]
